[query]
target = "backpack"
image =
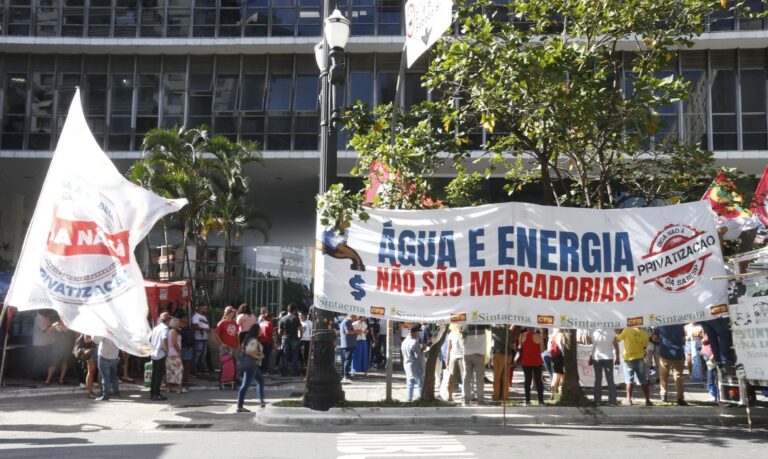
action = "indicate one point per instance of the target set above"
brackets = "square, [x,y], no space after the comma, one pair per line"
[554,349]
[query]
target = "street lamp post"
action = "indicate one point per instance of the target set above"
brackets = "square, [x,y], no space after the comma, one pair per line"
[323,386]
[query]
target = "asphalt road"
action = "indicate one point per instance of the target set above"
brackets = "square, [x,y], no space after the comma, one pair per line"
[36,441]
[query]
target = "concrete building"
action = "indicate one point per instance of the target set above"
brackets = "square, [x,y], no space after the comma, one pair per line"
[246,69]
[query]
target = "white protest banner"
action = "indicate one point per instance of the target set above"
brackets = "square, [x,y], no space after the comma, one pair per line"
[425,23]
[78,252]
[587,371]
[526,264]
[750,335]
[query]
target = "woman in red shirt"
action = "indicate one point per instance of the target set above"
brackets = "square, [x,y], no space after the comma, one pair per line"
[226,330]
[531,347]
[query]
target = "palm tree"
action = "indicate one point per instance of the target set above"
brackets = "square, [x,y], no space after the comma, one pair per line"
[175,157]
[230,212]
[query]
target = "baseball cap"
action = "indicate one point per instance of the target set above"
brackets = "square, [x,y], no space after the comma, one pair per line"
[416,327]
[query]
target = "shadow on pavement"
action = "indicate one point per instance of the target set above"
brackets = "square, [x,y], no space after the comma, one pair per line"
[44,441]
[53,428]
[131,451]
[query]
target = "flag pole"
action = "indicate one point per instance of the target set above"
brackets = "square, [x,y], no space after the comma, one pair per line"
[5,343]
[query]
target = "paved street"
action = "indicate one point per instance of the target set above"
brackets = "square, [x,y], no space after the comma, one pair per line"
[203,423]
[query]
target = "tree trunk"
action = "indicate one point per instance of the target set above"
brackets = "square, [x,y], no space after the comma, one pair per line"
[572,393]
[428,393]
[225,289]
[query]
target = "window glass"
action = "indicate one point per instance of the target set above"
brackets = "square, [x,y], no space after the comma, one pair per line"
[279,93]
[73,16]
[753,6]
[361,87]
[200,91]
[387,87]
[721,19]
[283,19]
[174,86]
[307,90]
[47,17]
[310,22]
[306,135]
[204,18]
[178,18]
[125,18]
[14,110]
[99,18]
[279,136]
[152,13]
[253,93]
[413,90]
[256,18]
[230,18]
[361,17]
[19,18]
[724,109]
[389,17]
[753,120]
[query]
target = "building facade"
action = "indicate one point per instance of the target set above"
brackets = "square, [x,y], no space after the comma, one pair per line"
[246,69]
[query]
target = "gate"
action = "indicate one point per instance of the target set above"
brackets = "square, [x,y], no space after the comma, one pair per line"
[260,290]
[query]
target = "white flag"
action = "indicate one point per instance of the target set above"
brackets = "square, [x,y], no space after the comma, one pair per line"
[77,256]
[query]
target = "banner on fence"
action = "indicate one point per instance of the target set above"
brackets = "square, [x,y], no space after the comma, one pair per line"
[526,264]
[750,335]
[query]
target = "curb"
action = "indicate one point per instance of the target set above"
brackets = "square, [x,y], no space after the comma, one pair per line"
[715,416]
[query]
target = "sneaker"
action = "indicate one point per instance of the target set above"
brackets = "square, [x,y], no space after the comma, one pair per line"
[346,381]
[102,399]
[465,404]
[184,390]
[527,404]
[648,403]
[664,398]
[682,403]
[240,409]
[159,397]
[263,404]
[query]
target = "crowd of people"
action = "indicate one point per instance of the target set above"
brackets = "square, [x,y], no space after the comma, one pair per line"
[645,355]
[260,344]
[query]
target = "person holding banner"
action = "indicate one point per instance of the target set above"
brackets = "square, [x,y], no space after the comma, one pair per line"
[413,362]
[635,341]
[604,355]
[531,347]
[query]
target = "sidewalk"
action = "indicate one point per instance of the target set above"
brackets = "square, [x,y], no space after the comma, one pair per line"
[207,401]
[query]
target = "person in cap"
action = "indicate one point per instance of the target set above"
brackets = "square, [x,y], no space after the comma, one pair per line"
[413,361]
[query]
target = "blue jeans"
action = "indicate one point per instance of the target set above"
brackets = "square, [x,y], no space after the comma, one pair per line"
[291,347]
[201,349]
[346,363]
[697,372]
[712,381]
[720,339]
[415,380]
[251,371]
[547,364]
[606,366]
[108,370]
[635,368]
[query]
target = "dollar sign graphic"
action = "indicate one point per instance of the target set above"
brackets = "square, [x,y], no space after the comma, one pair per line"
[356,283]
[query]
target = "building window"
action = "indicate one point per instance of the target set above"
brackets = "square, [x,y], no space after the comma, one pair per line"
[310,23]
[283,18]
[695,105]
[152,13]
[99,18]
[96,95]
[256,18]
[15,103]
[41,92]
[230,18]
[360,16]
[205,18]
[147,98]
[174,91]
[225,96]
[121,104]
[723,93]
[47,17]
[125,18]
[389,17]
[200,91]
[73,16]
[752,81]
[178,18]
[19,17]
[722,19]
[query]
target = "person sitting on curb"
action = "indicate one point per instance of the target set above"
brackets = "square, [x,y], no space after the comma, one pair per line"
[635,341]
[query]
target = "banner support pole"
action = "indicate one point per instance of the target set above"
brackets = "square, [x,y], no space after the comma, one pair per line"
[390,337]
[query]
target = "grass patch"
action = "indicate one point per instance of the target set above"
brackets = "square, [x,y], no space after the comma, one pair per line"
[372,404]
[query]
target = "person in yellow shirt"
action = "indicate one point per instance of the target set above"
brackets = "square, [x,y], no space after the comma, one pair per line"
[635,341]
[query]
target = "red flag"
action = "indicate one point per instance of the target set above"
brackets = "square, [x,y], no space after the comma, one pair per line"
[759,202]
[728,207]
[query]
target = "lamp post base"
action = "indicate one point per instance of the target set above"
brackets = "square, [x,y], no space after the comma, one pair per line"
[323,386]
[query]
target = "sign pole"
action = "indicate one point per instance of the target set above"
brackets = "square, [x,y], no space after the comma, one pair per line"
[390,336]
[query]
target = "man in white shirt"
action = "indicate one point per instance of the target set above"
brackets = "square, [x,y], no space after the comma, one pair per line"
[306,337]
[605,354]
[201,328]
[109,358]
[454,355]
[475,346]
[159,342]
